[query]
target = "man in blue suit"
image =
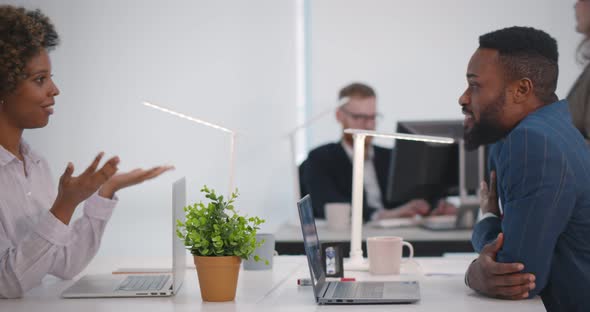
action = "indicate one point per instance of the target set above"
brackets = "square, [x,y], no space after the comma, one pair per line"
[534,236]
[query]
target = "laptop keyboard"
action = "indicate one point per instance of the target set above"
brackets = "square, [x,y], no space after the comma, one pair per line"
[359,290]
[143,282]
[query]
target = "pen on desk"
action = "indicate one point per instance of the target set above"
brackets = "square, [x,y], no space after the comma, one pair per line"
[304,282]
[307,281]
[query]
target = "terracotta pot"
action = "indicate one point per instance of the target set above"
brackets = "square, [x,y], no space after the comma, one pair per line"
[218,277]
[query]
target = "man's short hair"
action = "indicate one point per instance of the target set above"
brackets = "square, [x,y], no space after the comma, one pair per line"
[526,52]
[356,90]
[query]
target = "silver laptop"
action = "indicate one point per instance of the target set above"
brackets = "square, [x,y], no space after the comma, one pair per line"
[135,285]
[347,292]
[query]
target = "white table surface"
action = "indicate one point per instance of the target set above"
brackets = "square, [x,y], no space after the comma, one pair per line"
[441,284]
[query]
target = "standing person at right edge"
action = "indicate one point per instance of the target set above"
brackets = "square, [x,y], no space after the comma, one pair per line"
[579,95]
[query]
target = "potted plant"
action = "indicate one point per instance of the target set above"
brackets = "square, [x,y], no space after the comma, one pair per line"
[219,238]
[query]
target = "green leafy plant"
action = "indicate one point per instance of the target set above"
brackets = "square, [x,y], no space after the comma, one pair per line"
[216,229]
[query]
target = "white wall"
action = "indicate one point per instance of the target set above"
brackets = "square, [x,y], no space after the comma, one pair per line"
[415,53]
[233,62]
[229,62]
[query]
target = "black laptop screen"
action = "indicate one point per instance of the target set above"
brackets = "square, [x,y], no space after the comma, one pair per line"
[311,243]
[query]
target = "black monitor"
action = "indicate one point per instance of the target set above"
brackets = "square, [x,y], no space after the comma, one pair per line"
[425,170]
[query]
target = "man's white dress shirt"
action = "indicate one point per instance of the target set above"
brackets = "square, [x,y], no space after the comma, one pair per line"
[370,181]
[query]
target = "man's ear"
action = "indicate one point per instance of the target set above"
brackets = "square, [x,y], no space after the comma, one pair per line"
[339,115]
[523,90]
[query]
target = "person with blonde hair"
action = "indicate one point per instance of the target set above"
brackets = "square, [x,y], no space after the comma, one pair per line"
[327,172]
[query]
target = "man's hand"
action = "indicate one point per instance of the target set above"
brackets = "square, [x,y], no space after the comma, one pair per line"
[73,190]
[130,178]
[489,196]
[444,208]
[408,210]
[500,280]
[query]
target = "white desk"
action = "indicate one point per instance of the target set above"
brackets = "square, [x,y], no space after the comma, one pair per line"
[441,287]
[273,290]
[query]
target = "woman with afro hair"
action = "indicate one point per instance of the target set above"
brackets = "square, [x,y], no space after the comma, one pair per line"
[36,237]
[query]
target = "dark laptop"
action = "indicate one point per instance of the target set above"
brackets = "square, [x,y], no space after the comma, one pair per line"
[347,292]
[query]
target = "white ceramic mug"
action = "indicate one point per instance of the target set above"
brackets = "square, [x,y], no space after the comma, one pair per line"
[337,215]
[266,252]
[385,254]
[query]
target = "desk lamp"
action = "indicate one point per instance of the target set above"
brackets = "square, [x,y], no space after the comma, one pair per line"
[210,125]
[357,262]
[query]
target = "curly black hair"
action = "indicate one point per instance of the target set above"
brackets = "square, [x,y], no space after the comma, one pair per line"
[526,52]
[23,34]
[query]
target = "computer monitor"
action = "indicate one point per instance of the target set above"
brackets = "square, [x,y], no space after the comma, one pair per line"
[429,171]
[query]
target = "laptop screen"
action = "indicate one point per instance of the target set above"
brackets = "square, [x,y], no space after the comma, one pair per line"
[178,249]
[311,244]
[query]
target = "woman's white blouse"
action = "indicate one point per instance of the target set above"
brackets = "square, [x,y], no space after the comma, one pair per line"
[33,243]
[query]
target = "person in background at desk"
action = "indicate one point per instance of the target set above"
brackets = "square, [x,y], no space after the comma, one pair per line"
[327,172]
[534,236]
[579,96]
[36,238]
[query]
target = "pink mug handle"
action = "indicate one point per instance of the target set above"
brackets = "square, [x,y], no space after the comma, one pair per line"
[411,248]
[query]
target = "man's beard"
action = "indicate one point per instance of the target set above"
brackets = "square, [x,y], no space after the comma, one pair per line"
[488,130]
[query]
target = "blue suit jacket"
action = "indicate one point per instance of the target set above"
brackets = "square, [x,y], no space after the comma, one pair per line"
[543,170]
